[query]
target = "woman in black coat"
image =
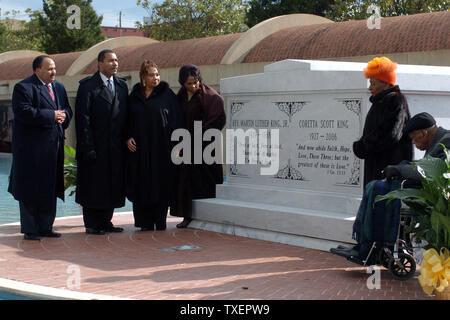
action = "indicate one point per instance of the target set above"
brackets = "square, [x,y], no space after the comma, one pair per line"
[198,102]
[153,114]
[382,142]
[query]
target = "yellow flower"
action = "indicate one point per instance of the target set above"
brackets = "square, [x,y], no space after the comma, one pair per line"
[435,272]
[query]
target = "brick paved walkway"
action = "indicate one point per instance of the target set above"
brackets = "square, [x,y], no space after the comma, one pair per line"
[132,265]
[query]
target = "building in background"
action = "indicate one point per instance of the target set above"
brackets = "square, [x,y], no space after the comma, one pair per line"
[420,39]
[115,32]
[13,24]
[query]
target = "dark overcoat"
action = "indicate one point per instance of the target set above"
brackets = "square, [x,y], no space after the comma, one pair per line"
[37,167]
[382,142]
[151,121]
[100,121]
[206,106]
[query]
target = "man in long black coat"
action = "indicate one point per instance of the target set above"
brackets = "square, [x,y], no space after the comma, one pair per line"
[41,114]
[100,119]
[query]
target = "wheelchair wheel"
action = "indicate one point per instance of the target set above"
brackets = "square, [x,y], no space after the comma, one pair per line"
[404,268]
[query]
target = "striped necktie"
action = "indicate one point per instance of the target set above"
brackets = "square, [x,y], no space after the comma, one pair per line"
[50,91]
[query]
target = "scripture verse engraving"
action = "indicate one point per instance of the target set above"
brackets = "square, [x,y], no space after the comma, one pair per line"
[316,134]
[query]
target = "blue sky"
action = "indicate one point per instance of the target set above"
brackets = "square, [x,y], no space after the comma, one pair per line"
[108,8]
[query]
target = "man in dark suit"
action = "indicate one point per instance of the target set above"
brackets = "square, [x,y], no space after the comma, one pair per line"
[100,119]
[41,114]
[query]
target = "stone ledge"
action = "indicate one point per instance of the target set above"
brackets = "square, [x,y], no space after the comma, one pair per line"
[296,226]
[284,238]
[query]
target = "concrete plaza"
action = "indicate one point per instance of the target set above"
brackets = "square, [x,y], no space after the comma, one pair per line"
[183,264]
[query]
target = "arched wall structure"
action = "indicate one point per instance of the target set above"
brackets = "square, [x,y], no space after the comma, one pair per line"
[414,39]
[421,39]
[415,33]
[12,55]
[262,30]
[80,64]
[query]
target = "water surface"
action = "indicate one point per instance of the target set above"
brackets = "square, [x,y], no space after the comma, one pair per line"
[9,207]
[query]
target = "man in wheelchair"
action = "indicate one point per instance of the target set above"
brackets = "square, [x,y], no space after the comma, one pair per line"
[381,218]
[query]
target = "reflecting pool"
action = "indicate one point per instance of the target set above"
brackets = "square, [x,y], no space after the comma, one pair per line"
[9,207]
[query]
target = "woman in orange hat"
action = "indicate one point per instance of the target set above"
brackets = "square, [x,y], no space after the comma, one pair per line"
[382,142]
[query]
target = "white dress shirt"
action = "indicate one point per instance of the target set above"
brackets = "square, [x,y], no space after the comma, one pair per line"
[105,80]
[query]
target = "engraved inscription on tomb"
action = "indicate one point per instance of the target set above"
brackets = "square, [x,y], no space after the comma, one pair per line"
[316,136]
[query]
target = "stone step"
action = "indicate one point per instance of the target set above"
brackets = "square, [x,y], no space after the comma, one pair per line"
[340,203]
[307,228]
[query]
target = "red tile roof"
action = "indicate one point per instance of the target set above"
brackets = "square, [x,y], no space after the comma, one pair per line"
[414,33]
[173,54]
[22,68]
[420,32]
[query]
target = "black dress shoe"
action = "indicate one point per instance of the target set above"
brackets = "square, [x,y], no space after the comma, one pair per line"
[95,231]
[147,228]
[50,234]
[341,247]
[345,253]
[114,229]
[184,223]
[31,236]
[354,247]
[356,259]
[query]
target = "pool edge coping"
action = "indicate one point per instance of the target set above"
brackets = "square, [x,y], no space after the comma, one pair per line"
[35,291]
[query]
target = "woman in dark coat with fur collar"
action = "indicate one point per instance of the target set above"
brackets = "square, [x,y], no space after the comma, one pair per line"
[198,102]
[382,142]
[153,116]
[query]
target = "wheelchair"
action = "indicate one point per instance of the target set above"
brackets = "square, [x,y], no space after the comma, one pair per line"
[397,257]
